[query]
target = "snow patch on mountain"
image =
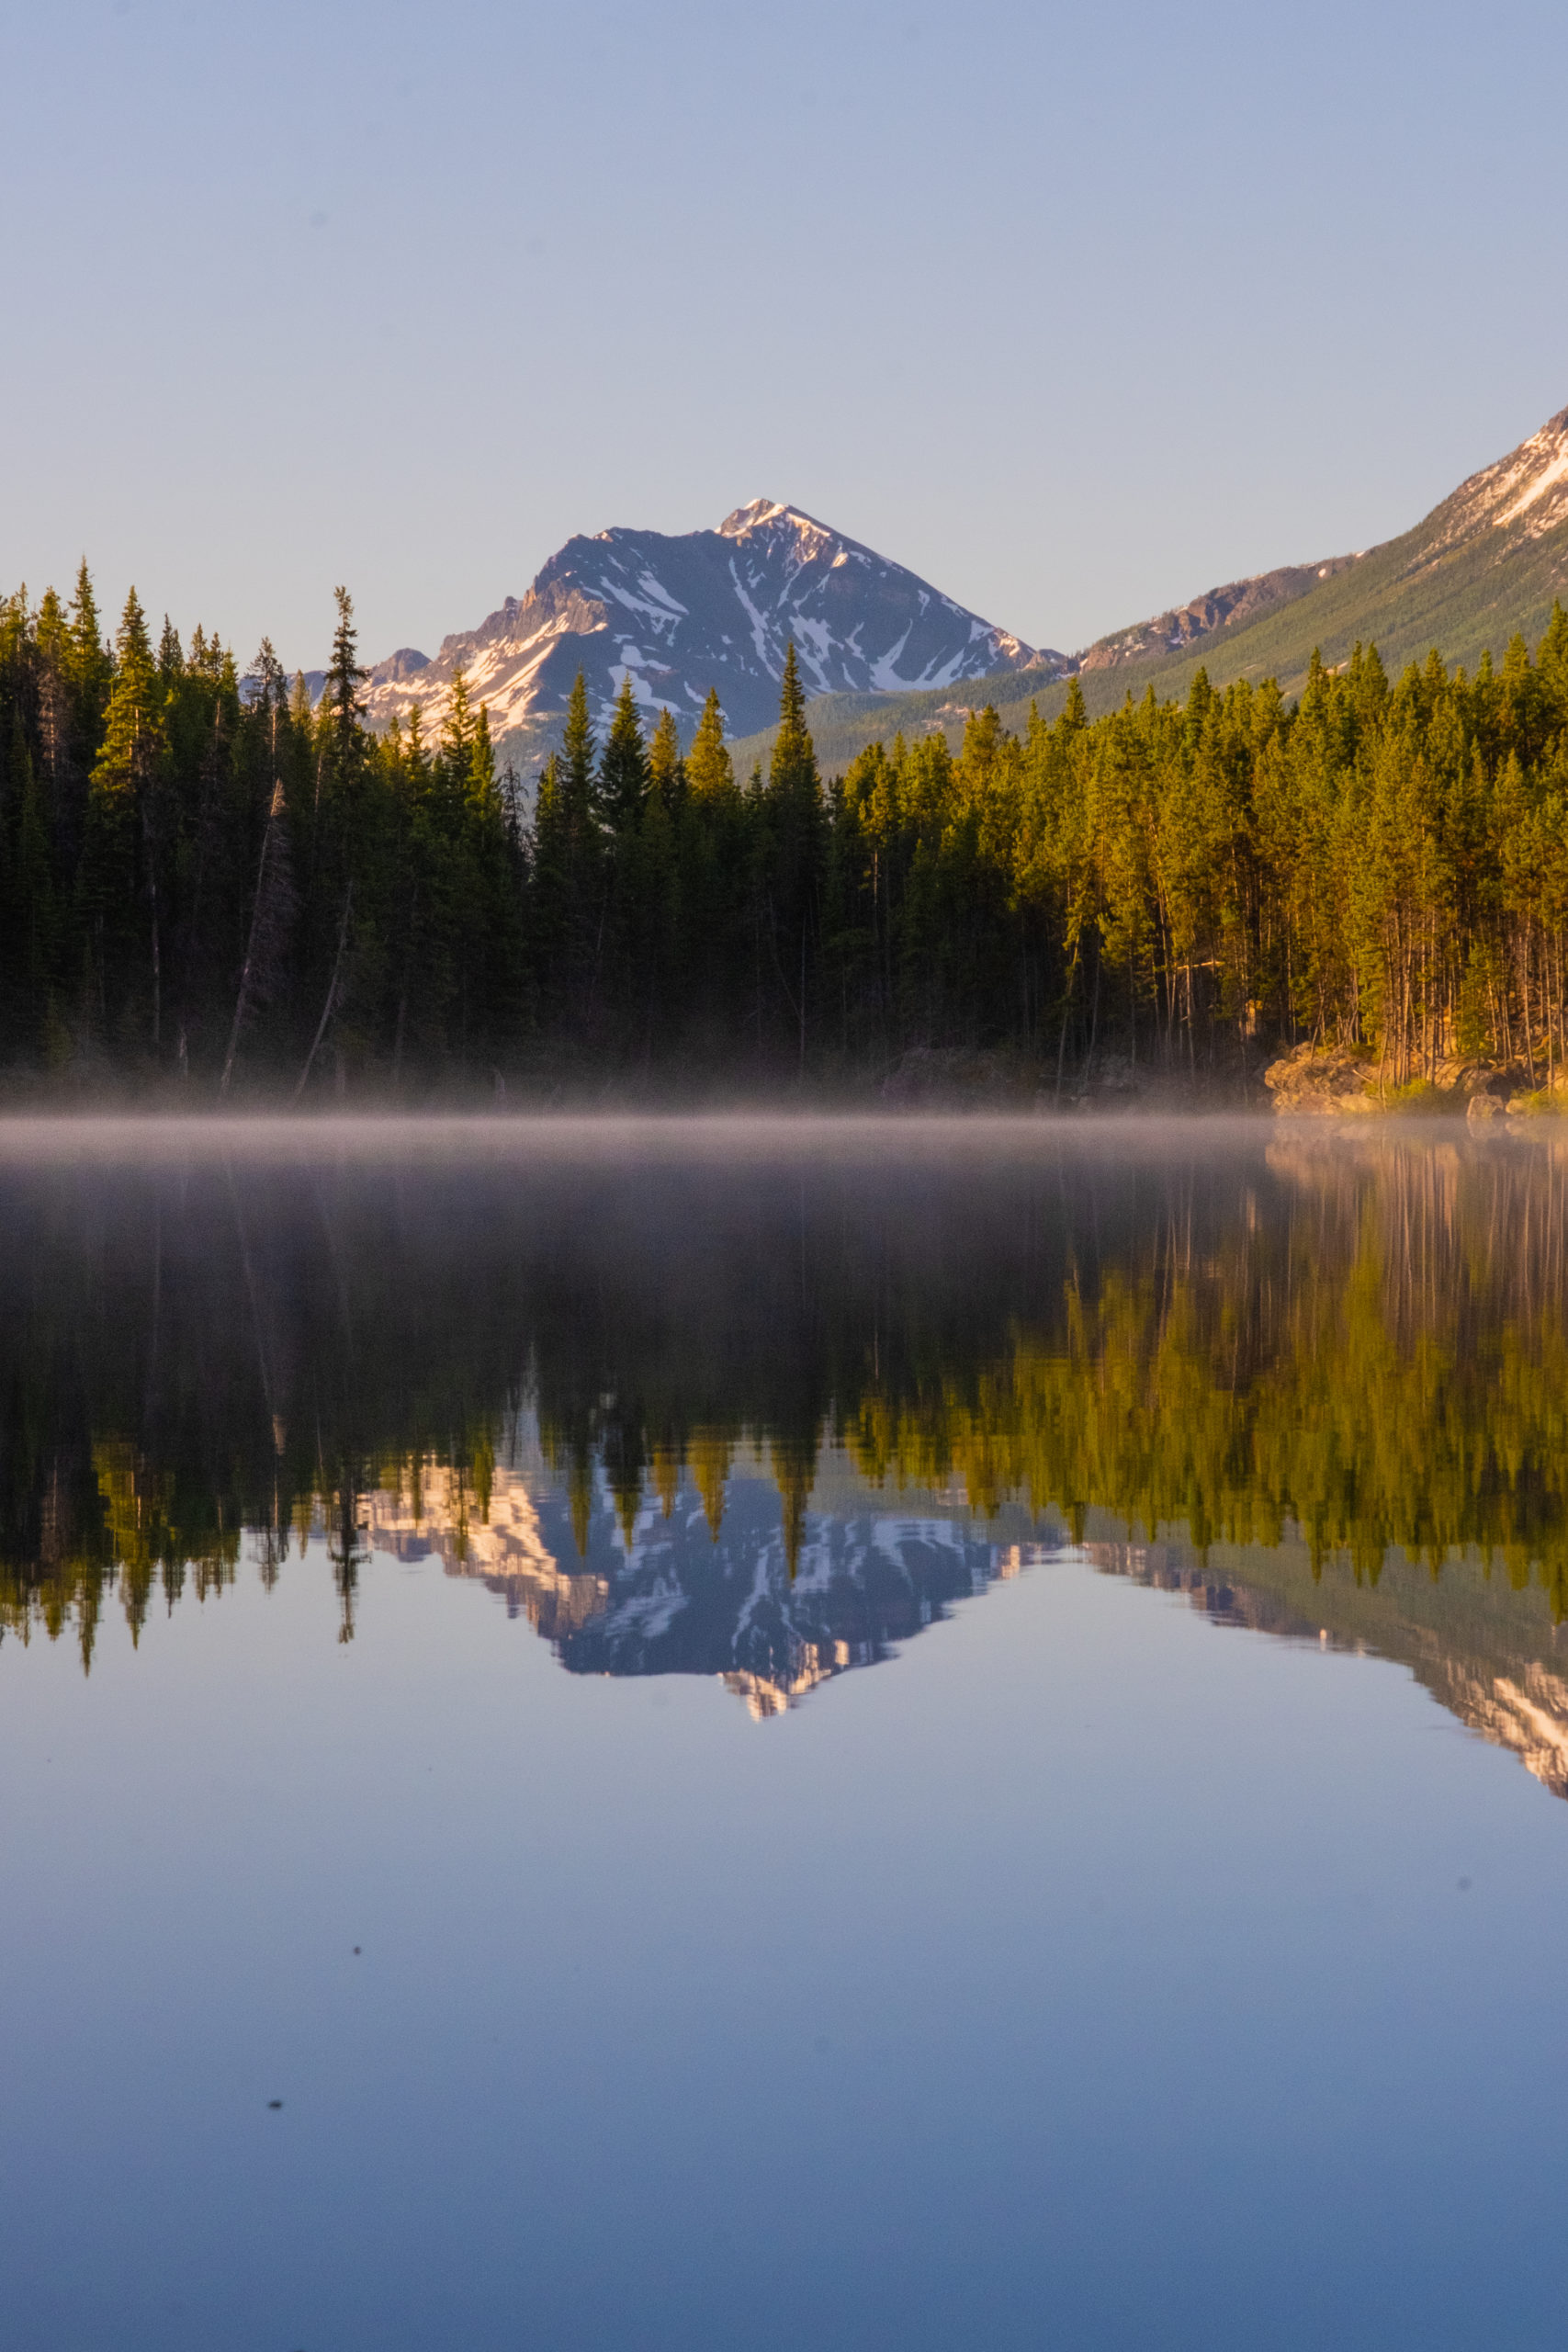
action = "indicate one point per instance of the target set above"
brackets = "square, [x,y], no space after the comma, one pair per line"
[1528,487]
[678,615]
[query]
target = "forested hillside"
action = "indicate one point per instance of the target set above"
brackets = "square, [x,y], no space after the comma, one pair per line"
[1488,563]
[209,889]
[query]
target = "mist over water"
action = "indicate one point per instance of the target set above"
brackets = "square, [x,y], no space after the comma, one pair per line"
[462,1541]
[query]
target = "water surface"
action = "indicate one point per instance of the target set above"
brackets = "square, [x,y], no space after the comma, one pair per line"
[908,1734]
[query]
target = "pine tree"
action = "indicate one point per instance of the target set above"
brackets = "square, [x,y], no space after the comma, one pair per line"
[457,733]
[710,771]
[578,750]
[791,769]
[792,849]
[171,655]
[666,769]
[262,974]
[121,852]
[341,698]
[342,860]
[623,768]
[481,790]
[567,871]
[92,666]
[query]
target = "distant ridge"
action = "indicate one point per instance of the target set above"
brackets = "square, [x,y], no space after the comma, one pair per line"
[1230,607]
[1484,565]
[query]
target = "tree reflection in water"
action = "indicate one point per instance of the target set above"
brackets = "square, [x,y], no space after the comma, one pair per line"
[763,1401]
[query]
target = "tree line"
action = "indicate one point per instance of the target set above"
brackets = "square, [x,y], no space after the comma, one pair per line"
[206,879]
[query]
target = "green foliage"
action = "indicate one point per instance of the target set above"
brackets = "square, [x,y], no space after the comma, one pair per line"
[1363,1350]
[623,769]
[208,881]
[1421,1098]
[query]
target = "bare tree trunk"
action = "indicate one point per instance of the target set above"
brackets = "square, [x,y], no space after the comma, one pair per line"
[157,960]
[243,999]
[327,1008]
[403,993]
[1066,1009]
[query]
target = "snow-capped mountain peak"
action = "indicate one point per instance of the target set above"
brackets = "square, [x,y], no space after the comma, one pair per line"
[1525,494]
[677,615]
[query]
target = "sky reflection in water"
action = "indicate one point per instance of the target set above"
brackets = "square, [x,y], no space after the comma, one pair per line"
[1081,1976]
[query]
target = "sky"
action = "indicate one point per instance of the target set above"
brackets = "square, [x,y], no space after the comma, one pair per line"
[1078,311]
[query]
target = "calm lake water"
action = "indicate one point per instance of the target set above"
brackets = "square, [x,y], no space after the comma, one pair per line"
[685,1735]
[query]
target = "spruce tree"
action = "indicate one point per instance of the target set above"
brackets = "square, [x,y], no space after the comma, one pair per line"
[623,768]
[791,770]
[482,791]
[343,706]
[710,771]
[268,937]
[342,848]
[457,733]
[567,870]
[120,852]
[578,750]
[666,769]
[57,718]
[92,667]
[792,849]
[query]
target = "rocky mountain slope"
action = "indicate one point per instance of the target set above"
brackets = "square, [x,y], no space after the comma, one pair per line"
[1232,606]
[882,651]
[1487,561]
[676,615]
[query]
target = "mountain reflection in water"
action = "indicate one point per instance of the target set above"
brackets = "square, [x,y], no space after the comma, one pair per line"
[761,1402]
[677,1591]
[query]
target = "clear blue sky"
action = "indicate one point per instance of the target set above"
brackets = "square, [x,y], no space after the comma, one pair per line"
[1077,311]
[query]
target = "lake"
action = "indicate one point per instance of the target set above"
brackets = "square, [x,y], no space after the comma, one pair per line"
[686,1734]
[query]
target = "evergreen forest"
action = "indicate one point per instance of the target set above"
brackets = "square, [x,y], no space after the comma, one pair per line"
[210,888]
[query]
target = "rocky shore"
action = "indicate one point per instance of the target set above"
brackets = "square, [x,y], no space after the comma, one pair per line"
[1344,1081]
[1311,1082]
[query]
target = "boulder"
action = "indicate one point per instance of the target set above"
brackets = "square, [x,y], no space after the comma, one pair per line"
[1322,1081]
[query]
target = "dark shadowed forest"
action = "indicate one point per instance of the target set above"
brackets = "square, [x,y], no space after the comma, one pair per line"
[212,888]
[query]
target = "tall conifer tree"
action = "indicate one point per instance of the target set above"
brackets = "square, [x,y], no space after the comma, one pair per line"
[623,769]
[666,769]
[121,852]
[710,771]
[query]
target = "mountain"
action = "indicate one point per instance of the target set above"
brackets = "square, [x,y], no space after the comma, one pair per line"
[882,651]
[671,1594]
[680,1600]
[1230,607]
[678,615]
[1487,562]
[674,1595]
[1484,564]
[1481,1649]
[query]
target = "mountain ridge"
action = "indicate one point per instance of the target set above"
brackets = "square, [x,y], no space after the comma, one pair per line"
[882,651]
[1487,562]
[673,614]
